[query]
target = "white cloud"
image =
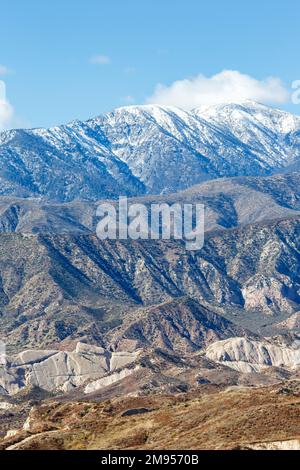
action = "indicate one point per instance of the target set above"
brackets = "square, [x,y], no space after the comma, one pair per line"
[100,60]
[226,86]
[6,110]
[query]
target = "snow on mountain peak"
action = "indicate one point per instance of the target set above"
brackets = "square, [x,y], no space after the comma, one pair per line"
[241,114]
[149,148]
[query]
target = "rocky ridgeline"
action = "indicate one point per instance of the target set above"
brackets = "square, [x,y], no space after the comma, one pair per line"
[55,288]
[147,149]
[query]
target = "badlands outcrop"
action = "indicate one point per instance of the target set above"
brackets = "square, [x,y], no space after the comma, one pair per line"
[245,355]
[93,368]
[60,370]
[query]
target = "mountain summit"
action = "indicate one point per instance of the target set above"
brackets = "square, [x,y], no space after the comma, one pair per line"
[148,149]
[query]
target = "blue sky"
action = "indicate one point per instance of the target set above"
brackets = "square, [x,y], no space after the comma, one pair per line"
[62,60]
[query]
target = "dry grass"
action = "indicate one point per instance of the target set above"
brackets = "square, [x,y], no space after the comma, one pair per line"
[227,419]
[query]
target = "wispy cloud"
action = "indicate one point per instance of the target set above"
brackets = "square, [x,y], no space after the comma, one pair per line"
[129,99]
[6,110]
[226,86]
[4,70]
[100,59]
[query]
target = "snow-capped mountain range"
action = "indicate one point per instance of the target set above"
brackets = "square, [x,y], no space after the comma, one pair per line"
[148,149]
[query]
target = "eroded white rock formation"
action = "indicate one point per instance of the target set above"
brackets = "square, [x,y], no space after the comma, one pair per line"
[109,380]
[292,444]
[60,370]
[245,355]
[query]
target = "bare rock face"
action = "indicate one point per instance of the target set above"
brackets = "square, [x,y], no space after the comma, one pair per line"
[6,406]
[292,444]
[109,380]
[60,370]
[292,323]
[266,293]
[246,355]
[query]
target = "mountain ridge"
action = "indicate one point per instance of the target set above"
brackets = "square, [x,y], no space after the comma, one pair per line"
[147,150]
[228,202]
